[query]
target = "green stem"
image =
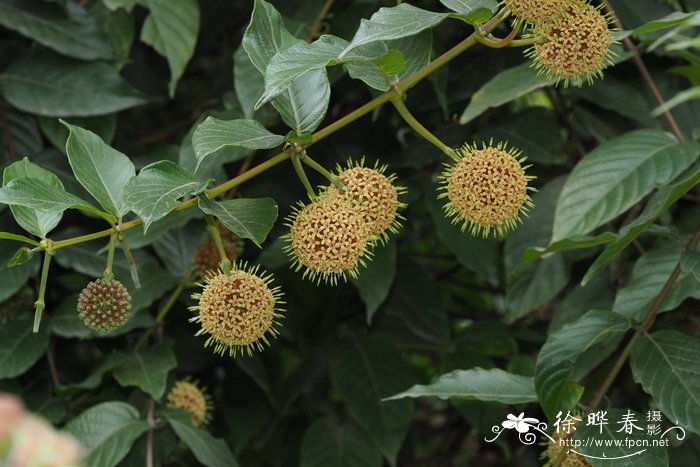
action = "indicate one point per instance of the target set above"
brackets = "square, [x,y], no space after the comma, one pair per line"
[130,259]
[216,236]
[164,311]
[109,274]
[40,303]
[323,171]
[323,133]
[299,169]
[420,129]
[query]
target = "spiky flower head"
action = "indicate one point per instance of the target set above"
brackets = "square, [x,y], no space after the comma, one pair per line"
[207,257]
[577,48]
[554,450]
[373,194]
[187,395]
[238,310]
[104,305]
[329,238]
[487,189]
[538,11]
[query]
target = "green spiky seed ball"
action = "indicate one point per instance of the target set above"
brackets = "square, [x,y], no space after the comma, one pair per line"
[104,305]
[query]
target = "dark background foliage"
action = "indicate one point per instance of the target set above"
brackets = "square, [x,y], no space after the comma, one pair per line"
[434,300]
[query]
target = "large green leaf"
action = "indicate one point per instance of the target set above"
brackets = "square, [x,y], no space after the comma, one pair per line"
[25,135]
[147,369]
[106,432]
[375,282]
[535,285]
[101,169]
[208,450]
[37,222]
[615,176]
[667,363]
[212,135]
[37,194]
[81,37]
[303,104]
[657,205]
[397,22]
[47,84]
[246,81]
[485,385]
[20,348]
[473,11]
[172,29]
[503,88]
[556,386]
[364,372]
[649,275]
[329,444]
[610,448]
[155,191]
[246,217]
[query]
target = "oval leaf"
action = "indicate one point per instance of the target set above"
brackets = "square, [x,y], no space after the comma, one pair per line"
[247,218]
[20,348]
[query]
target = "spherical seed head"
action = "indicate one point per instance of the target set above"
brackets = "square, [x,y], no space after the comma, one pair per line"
[577,48]
[104,305]
[554,450]
[329,238]
[487,189]
[373,194]
[538,11]
[238,310]
[188,396]
[20,302]
[207,257]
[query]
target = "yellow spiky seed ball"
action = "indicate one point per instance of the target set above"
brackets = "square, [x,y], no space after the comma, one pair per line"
[329,238]
[188,396]
[207,257]
[238,310]
[554,450]
[538,11]
[104,305]
[577,48]
[372,193]
[487,190]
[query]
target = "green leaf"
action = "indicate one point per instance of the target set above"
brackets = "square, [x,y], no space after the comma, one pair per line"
[127,5]
[104,126]
[37,222]
[147,369]
[17,238]
[575,242]
[476,254]
[212,135]
[12,281]
[375,282]
[25,134]
[304,104]
[672,19]
[47,84]
[20,348]
[329,444]
[556,386]
[106,432]
[649,275]
[247,83]
[210,451]
[610,448]
[473,11]
[176,248]
[493,385]
[666,364]
[657,205]
[36,194]
[615,176]
[246,217]
[21,256]
[155,191]
[505,87]
[397,22]
[172,30]
[102,170]
[535,285]
[364,372]
[80,37]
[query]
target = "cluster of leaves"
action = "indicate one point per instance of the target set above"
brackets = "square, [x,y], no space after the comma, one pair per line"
[534,321]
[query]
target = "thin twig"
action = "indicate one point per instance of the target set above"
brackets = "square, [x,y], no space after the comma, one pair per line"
[315,28]
[629,45]
[151,427]
[11,151]
[53,370]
